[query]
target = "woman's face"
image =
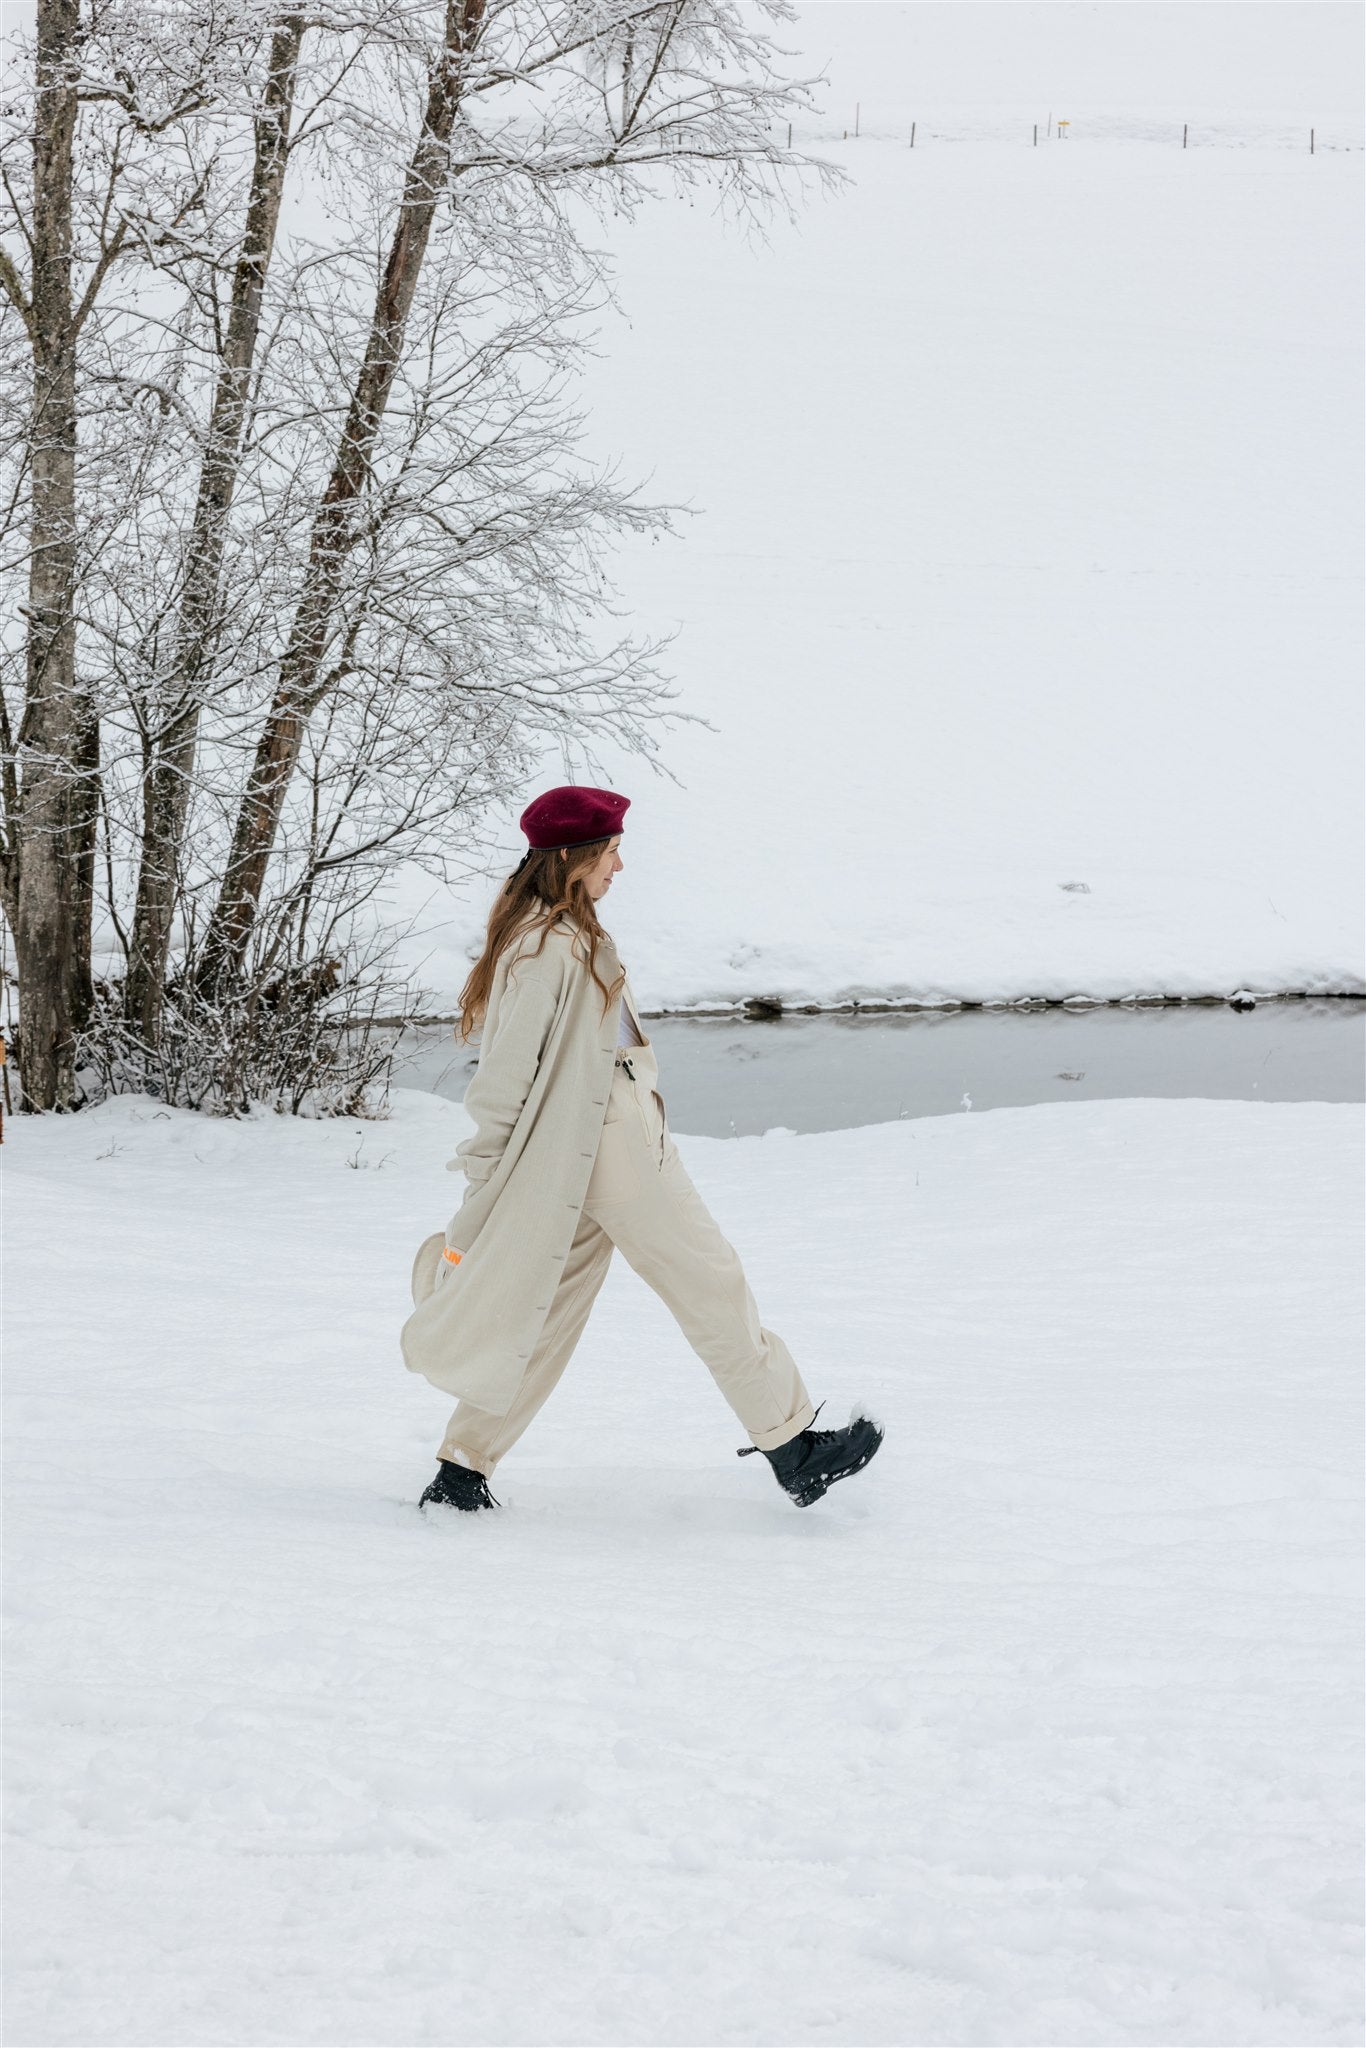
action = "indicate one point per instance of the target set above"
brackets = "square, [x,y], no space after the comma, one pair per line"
[598,880]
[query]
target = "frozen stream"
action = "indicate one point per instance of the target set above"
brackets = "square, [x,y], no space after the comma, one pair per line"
[731,1076]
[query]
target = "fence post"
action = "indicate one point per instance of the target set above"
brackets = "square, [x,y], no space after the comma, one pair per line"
[1185,131]
[1036,135]
[1311,142]
[913,135]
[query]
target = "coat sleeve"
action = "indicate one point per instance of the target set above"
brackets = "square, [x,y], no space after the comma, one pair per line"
[507,1068]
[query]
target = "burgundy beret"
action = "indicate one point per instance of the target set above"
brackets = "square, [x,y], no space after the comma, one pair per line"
[573,816]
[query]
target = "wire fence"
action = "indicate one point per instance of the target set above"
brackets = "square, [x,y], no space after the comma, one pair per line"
[867,121]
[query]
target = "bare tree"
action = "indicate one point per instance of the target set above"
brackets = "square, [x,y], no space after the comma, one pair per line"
[172,736]
[49,799]
[336,530]
[72,216]
[687,69]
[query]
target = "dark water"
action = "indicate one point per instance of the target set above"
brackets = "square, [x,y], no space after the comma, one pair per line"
[727,1077]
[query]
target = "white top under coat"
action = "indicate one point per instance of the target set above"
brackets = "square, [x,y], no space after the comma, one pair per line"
[628,1032]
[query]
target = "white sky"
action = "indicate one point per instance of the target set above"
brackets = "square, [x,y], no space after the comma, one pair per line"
[1290,55]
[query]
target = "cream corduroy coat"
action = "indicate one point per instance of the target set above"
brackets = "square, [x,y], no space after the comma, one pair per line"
[538,1101]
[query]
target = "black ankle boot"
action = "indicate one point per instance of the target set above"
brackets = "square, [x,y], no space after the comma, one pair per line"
[455,1486]
[809,1464]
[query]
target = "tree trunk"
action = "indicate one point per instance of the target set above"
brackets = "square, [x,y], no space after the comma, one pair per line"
[300,684]
[51,931]
[168,775]
[85,825]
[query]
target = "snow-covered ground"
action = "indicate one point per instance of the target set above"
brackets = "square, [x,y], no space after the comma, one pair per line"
[1045,1730]
[1028,538]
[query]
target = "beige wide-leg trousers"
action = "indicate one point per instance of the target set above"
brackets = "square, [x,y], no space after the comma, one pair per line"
[641,1201]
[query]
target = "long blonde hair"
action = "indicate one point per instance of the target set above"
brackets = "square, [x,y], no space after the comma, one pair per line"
[548,885]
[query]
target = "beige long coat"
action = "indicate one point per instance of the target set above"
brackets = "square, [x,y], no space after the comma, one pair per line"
[538,1101]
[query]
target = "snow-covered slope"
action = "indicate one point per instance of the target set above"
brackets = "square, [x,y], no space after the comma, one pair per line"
[1045,1729]
[1028,537]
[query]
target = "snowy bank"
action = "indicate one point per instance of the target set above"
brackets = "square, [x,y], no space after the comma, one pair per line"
[1023,595]
[1045,1730]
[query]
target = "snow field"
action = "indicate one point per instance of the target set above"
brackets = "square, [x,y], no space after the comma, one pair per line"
[1043,1730]
[1026,552]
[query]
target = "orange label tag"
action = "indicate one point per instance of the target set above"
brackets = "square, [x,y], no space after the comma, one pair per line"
[454,1257]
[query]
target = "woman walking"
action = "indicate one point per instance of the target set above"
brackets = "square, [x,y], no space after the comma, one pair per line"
[570,1158]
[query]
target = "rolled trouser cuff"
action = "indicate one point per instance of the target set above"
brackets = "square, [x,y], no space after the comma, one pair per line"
[456,1454]
[771,1439]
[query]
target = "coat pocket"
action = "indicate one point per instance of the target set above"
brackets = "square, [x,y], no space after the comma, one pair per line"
[660,1138]
[427,1266]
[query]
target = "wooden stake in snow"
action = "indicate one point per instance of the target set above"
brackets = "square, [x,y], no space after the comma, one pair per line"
[1311,142]
[789,135]
[913,135]
[1185,131]
[1036,135]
